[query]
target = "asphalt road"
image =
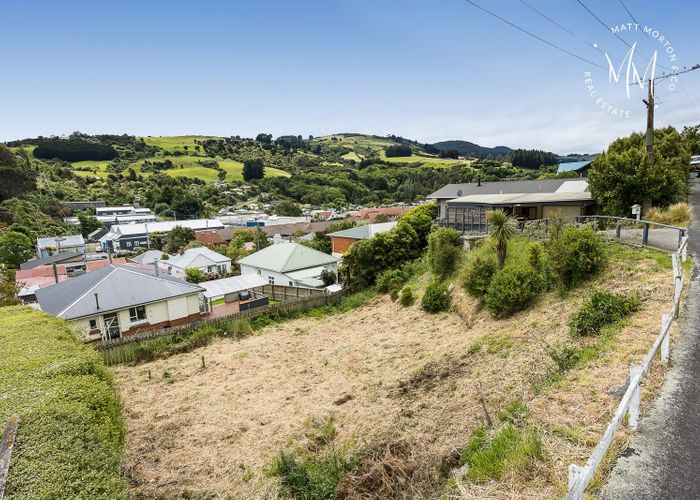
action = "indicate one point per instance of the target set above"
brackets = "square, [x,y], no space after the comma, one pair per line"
[663,460]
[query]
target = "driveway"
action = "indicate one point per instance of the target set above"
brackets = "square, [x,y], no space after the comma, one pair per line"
[663,459]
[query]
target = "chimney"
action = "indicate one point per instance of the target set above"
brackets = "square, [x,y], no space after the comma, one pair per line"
[155,267]
[97,301]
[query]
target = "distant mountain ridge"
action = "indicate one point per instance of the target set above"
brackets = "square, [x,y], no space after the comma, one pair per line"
[467,148]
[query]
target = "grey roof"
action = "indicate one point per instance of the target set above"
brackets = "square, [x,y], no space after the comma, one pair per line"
[66,241]
[55,258]
[286,257]
[452,191]
[147,257]
[188,256]
[521,199]
[365,231]
[117,288]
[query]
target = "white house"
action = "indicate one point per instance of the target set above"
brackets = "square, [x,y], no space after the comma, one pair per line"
[45,247]
[289,264]
[206,260]
[115,301]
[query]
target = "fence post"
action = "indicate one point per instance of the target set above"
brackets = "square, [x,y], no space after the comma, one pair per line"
[665,343]
[633,410]
[618,229]
[645,234]
[8,440]
[574,472]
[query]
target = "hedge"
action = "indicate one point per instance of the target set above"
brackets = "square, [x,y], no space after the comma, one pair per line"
[71,432]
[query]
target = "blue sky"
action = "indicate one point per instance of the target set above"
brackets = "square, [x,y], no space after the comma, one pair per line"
[429,70]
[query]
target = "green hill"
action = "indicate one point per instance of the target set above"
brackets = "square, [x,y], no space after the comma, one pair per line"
[467,148]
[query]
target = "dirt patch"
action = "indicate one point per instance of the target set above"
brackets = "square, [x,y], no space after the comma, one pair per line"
[401,386]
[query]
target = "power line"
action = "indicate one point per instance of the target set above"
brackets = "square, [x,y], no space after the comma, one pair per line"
[607,28]
[555,23]
[628,11]
[536,37]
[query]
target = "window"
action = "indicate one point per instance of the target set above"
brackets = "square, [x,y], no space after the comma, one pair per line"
[128,243]
[137,314]
[291,283]
[93,325]
[259,271]
[271,280]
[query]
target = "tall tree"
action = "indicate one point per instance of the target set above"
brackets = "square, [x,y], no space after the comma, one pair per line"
[253,169]
[15,248]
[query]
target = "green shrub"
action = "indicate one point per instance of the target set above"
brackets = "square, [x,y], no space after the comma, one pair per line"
[241,328]
[512,289]
[314,473]
[407,297]
[478,273]
[436,297]
[391,279]
[574,254]
[71,432]
[602,308]
[508,450]
[444,250]
[394,295]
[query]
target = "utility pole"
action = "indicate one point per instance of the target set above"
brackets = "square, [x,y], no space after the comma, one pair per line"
[650,121]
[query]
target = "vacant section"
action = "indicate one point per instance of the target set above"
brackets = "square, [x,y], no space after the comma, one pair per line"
[402,390]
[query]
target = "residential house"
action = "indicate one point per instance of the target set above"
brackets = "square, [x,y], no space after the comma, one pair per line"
[464,206]
[131,237]
[580,167]
[83,205]
[210,237]
[289,264]
[117,301]
[200,258]
[120,210]
[341,241]
[45,247]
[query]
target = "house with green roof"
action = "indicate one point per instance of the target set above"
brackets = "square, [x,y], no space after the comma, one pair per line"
[289,264]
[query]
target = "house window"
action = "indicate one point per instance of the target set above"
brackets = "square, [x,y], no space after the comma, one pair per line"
[93,325]
[271,280]
[291,283]
[137,314]
[128,243]
[259,271]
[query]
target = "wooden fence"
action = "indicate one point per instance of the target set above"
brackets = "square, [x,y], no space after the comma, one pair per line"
[283,292]
[121,350]
[579,477]
[8,440]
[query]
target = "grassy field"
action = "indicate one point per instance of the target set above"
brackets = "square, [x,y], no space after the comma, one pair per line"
[399,389]
[432,161]
[97,168]
[187,166]
[176,142]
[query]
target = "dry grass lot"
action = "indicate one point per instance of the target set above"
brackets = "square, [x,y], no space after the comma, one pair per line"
[400,385]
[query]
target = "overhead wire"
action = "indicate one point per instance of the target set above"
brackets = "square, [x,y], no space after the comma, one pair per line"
[537,37]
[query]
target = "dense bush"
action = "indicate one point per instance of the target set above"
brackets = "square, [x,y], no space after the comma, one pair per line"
[398,150]
[390,249]
[436,297]
[512,289]
[602,308]
[406,297]
[444,250]
[478,273]
[574,254]
[391,279]
[71,432]
[73,150]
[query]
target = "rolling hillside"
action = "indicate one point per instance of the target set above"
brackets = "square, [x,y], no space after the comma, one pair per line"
[470,149]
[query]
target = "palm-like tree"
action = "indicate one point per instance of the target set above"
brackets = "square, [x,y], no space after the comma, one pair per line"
[502,229]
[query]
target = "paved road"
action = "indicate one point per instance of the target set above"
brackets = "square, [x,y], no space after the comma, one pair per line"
[663,460]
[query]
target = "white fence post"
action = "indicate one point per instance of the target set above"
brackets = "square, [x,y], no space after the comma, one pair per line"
[633,410]
[574,473]
[666,342]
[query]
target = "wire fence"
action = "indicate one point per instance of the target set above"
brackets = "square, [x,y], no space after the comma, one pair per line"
[580,477]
